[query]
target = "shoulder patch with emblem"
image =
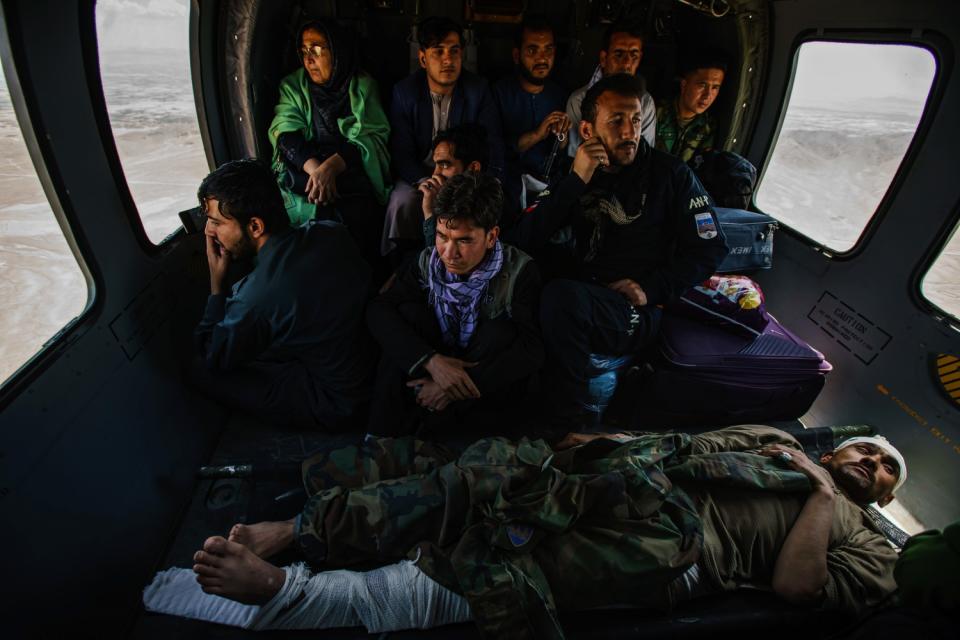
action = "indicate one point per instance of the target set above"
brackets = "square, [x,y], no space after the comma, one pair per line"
[706,227]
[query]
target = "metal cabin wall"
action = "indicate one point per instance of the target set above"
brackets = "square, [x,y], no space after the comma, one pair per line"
[896,391]
[100,441]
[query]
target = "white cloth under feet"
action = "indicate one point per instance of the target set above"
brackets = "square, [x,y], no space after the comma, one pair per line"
[391,598]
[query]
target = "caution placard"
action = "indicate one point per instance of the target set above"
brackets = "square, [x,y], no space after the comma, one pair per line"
[854,332]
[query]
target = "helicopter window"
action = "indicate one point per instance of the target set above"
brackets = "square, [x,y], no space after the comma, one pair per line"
[939,284]
[851,114]
[43,287]
[145,66]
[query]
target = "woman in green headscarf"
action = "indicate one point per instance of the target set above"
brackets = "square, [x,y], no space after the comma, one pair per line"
[329,135]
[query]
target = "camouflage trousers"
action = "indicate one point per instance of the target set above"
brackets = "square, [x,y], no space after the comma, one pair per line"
[515,527]
[376,501]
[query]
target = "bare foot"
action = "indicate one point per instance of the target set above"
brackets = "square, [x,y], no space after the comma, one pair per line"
[231,570]
[265,539]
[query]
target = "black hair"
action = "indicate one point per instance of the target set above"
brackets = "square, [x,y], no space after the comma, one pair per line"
[245,189]
[703,58]
[631,28]
[472,196]
[535,23]
[432,30]
[469,142]
[622,84]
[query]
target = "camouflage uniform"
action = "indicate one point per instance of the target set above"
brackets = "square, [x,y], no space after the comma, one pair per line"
[521,530]
[683,141]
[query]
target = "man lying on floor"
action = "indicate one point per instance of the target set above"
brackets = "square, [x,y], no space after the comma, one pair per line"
[508,533]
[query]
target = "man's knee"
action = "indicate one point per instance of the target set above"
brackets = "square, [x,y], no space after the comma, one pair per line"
[404,217]
[643,324]
[404,204]
[564,307]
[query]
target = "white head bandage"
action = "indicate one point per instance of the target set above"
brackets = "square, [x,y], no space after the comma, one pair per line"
[884,444]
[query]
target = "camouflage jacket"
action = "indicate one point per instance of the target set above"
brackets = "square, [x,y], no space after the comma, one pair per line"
[686,141]
[519,529]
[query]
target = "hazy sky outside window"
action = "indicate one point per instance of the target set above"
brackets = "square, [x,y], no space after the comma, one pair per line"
[42,287]
[852,113]
[145,66]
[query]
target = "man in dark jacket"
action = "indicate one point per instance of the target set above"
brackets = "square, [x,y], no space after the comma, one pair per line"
[459,325]
[438,96]
[640,230]
[287,342]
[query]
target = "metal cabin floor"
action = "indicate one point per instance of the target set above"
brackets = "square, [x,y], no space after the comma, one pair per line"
[218,504]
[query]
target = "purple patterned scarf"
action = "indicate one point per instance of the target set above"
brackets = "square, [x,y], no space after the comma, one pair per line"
[456,300]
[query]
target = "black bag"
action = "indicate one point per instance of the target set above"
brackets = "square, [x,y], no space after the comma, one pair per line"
[749,240]
[728,178]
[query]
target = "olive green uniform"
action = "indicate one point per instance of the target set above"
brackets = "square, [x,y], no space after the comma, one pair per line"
[683,140]
[522,531]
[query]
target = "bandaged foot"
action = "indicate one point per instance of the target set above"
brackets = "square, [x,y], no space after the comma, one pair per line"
[391,598]
[231,570]
[264,539]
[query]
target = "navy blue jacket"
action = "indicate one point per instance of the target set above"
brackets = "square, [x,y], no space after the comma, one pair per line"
[302,304]
[522,112]
[411,122]
[669,241]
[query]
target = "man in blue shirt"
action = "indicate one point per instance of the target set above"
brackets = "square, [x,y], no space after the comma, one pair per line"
[438,96]
[531,106]
[287,343]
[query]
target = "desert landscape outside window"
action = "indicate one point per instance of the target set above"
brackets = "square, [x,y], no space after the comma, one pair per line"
[851,116]
[42,286]
[941,284]
[144,54]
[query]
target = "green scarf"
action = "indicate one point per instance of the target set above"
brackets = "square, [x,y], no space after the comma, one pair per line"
[366,127]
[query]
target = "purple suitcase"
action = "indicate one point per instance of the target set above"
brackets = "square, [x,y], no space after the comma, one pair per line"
[709,375]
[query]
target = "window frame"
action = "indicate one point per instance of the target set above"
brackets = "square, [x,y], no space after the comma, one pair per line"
[943,236]
[929,41]
[99,99]
[42,156]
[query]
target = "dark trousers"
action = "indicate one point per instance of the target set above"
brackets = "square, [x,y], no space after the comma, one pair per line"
[579,319]
[281,393]
[363,217]
[394,411]
[356,208]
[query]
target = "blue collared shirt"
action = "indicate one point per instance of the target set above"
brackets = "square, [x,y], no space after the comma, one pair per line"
[522,112]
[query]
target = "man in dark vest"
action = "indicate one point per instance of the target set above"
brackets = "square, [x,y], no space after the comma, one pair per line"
[458,327]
